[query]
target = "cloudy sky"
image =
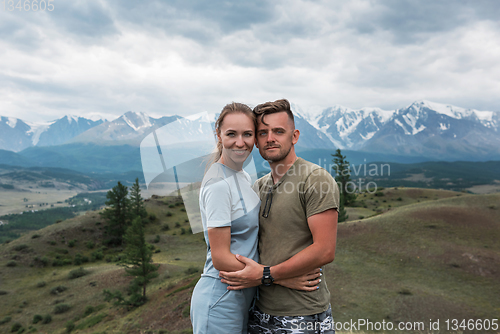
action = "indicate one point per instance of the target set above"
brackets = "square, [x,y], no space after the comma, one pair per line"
[106,57]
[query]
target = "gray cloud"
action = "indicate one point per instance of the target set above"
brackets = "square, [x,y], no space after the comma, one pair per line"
[415,21]
[183,57]
[83,19]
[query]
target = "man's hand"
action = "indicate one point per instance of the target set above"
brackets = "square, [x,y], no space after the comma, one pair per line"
[308,282]
[248,277]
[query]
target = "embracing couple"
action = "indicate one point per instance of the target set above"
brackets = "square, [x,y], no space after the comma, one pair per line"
[267,242]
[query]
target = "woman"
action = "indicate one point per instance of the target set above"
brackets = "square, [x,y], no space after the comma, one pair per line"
[229,210]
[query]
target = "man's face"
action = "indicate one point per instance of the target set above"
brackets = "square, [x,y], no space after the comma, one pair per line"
[275,140]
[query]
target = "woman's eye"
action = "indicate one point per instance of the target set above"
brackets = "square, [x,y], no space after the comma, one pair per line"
[230,134]
[248,134]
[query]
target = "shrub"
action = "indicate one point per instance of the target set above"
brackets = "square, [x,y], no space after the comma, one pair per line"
[77,273]
[34,236]
[11,263]
[90,244]
[61,308]
[19,248]
[171,206]
[47,319]
[70,325]
[185,312]
[78,259]
[95,256]
[58,221]
[169,214]
[44,261]
[16,327]
[152,217]
[61,251]
[165,227]
[37,318]
[88,310]
[177,224]
[183,230]
[72,243]
[57,263]
[2,292]
[183,210]
[399,199]
[5,320]
[157,239]
[41,284]
[191,270]
[58,289]
[67,262]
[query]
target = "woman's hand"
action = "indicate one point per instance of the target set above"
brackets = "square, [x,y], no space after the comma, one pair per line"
[307,282]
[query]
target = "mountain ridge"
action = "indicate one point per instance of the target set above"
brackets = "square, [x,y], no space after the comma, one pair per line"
[423,128]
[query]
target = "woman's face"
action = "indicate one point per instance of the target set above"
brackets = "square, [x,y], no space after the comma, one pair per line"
[237,134]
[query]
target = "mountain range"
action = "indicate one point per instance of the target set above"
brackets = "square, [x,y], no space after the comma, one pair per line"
[423,129]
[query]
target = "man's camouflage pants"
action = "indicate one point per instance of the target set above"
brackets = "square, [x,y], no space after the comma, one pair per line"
[262,323]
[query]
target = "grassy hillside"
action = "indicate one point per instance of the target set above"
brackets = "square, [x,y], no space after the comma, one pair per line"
[432,254]
[434,259]
[44,259]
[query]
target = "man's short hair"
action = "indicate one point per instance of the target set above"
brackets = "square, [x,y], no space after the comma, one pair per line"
[273,107]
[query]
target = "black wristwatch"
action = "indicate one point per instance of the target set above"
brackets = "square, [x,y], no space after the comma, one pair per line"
[267,279]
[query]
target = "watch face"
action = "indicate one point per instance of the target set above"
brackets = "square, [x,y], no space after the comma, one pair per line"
[267,281]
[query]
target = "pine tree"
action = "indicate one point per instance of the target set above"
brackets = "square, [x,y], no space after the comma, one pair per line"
[342,212]
[343,178]
[138,257]
[136,201]
[118,214]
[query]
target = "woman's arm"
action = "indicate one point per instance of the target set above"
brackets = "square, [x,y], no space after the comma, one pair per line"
[216,199]
[220,245]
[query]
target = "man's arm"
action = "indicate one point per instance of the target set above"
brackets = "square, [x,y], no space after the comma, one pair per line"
[323,228]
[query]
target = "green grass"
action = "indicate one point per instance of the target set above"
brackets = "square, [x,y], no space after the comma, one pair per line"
[437,259]
[22,280]
[90,321]
[415,260]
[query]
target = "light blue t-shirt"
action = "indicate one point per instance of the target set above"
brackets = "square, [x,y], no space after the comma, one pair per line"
[227,199]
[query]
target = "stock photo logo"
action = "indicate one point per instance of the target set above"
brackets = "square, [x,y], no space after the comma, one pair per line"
[175,160]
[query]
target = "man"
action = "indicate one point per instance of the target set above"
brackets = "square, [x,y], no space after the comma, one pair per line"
[297,231]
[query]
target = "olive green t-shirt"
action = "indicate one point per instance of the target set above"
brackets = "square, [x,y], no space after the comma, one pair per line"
[305,190]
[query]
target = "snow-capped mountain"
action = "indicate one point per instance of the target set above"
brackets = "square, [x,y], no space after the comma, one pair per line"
[16,134]
[130,128]
[438,130]
[424,128]
[60,131]
[348,128]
